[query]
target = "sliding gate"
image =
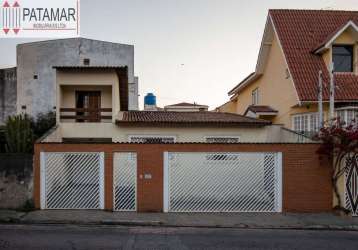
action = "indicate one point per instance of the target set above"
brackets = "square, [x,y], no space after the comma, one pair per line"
[72,180]
[222,182]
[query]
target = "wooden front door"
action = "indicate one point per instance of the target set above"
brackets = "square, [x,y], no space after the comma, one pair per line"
[88,104]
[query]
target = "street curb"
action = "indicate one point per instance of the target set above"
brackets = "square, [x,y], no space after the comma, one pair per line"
[162,224]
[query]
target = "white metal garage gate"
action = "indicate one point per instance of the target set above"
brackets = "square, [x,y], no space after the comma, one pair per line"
[72,180]
[222,182]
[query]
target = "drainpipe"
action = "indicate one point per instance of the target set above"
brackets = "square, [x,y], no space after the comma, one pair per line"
[331,92]
[320,104]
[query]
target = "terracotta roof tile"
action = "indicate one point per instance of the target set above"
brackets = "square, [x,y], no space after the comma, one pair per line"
[185,104]
[300,32]
[200,117]
[261,108]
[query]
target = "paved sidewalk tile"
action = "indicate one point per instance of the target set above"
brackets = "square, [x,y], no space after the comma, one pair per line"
[230,220]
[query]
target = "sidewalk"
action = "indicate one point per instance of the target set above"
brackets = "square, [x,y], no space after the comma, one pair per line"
[324,221]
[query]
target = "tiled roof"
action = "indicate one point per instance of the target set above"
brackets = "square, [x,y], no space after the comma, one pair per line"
[261,109]
[185,104]
[200,117]
[300,32]
[70,67]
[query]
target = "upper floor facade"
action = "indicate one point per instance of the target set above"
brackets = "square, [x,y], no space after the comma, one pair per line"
[39,73]
[296,46]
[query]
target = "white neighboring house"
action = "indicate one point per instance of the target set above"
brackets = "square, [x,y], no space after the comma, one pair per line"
[186,107]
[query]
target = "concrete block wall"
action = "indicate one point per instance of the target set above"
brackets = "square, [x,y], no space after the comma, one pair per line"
[16,180]
[306,180]
[8,91]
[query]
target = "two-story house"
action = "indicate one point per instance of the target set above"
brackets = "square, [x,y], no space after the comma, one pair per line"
[30,86]
[92,107]
[296,45]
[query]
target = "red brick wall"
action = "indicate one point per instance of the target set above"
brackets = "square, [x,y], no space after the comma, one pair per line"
[306,180]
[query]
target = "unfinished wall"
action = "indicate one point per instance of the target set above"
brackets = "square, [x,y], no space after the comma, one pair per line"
[36,75]
[16,180]
[7,93]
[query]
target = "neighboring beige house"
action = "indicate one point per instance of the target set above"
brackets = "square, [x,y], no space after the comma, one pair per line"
[296,45]
[186,107]
[92,106]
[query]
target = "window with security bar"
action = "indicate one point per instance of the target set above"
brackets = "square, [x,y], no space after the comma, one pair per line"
[152,139]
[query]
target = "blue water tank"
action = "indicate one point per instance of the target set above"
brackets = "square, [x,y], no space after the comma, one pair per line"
[150,99]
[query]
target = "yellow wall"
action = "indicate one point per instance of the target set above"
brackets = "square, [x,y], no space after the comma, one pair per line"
[347,37]
[106,81]
[228,107]
[278,91]
[275,88]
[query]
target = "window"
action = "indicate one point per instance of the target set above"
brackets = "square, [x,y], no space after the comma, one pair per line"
[222,139]
[88,104]
[86,61]
[347,115]
[255,96]
[343,58]
[151,139]
[306,122]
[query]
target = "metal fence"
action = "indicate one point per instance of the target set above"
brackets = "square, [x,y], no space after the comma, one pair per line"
[222,182]
[124,181]
[351,185]
[72,180]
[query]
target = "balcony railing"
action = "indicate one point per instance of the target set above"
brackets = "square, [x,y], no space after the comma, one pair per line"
[86,114]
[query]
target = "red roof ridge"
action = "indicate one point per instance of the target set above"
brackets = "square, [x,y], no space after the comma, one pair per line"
[314,10]
[185,104]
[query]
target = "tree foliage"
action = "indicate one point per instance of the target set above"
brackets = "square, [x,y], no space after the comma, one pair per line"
[21,131]
[43,123]
[19,134]
[339,142]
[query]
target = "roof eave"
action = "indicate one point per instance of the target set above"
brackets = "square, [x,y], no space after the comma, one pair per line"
[333,37]
[252,77]
[285,59]
[193,124]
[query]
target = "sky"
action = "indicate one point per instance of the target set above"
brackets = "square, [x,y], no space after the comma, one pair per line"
[185,50]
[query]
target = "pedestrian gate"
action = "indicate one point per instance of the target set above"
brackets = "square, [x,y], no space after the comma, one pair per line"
[72,180]
[124,181]
[351,185]
[222,182]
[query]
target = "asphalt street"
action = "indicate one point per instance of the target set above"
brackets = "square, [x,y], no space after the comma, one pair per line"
[153,238]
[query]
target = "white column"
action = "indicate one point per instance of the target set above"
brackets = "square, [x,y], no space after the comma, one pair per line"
[166,182]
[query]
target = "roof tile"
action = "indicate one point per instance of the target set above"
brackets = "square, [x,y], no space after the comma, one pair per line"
[300,31]
[200,117]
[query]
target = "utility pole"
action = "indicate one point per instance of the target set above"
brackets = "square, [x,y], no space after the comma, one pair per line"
[331,92]
[320,100]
